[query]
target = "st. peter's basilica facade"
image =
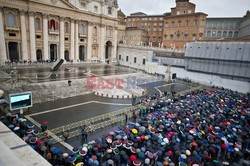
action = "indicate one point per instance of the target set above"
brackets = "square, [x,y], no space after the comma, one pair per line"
[47,30]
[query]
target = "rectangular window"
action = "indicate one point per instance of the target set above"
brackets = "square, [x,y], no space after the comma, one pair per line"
[96,8]
[172,24]
[83,4]
[38,36]
[179,24]
[195,22]
[126,58]
[12,34]
[134,59]
[110,10]
[166,24]
[120,57]
[143,61]
[159,39]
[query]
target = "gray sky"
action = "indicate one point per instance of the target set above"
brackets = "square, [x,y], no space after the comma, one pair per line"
[214,8]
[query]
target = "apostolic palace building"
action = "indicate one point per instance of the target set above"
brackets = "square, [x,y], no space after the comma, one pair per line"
[78,30]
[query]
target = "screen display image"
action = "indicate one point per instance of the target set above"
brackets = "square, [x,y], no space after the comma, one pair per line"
[21,100]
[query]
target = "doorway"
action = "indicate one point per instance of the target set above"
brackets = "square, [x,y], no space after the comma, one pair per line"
[66,55]
[13,51]
[53,52]
[108,50]
[39,55]
[82,53]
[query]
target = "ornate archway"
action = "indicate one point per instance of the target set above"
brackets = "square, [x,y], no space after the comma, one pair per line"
[108,50]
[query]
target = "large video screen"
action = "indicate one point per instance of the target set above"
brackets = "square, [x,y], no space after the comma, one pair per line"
[20,100]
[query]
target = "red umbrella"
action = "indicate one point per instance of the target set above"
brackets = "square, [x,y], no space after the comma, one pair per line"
[133,158]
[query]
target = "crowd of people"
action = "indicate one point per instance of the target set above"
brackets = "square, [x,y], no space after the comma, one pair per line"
[203,127]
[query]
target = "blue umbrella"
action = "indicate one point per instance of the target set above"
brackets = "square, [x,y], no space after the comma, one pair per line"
[55,151]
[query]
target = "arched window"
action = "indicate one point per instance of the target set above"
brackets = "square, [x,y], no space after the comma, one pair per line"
[230,34]
[208,33]
[236,33]
[225,34]
[66,27]
[52,25]
[95,31]
[11,20]
[219,34]
[214,33]
[81,31]
[37,24]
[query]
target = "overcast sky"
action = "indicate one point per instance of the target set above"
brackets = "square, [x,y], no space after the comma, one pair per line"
[214,8]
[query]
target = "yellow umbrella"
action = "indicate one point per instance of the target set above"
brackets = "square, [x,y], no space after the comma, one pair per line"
[134,131]
[80,164]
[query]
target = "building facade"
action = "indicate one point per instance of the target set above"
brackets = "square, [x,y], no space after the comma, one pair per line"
[222,28]
[173,29]
[47,30]
[237,28]
[183,25]
[121,27]
[135,36]
[153,24]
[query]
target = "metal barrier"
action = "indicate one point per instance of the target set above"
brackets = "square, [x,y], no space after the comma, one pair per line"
[94,123]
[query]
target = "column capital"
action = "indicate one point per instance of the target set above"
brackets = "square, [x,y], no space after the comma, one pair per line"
[31,13]
[45,15]
[22,12]
[90,23]
[102,25]
[62,18]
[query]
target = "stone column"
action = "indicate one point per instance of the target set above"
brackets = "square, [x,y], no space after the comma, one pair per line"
[61,38]
[3,55]
[72,40]
[32,37]
[45,38]
[102,42]
[76,41]
[24,36]
[90,41]
[114,45]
